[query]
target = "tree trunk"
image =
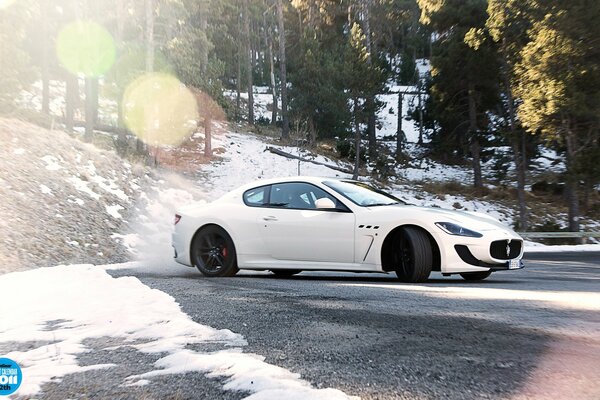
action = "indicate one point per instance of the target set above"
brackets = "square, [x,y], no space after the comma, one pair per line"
[400,136]
[356,141]
[519,159]
[474,147]
[45,59]
[371,120]
[91,93]
[149,35]
[521,181]
[370,100]
[71,96]
[121,19]
[312,132]
[207,136]
[248,57]
[420,117]
[203,25]
[238,85]
[572,184]
[285,128]
[272,80]
[573,201]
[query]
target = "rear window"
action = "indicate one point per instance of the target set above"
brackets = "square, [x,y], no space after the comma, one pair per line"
[256,197]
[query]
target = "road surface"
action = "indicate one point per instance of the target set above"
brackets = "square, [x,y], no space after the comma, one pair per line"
[532,333]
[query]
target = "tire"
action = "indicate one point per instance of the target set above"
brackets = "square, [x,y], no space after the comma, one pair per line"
[213,252]
[413,257]
[475,276]
[285,273]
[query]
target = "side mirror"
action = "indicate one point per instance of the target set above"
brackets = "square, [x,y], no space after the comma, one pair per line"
[324,204]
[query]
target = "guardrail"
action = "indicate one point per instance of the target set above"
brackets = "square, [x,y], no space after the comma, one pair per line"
[559,235]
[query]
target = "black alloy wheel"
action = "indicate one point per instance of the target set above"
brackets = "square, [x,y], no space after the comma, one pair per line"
[413,257]
[213,252]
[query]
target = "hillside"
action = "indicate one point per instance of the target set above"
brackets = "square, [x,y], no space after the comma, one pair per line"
[65,201]
[62,199]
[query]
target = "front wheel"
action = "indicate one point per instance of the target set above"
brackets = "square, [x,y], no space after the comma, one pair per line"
[475,276]
[413,257]
[213,252]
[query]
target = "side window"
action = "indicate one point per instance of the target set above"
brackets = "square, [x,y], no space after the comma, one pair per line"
[256,197]
[296,195]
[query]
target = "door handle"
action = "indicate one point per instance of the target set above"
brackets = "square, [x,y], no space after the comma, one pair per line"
[270,218]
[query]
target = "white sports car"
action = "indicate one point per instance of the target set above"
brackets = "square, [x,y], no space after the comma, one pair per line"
[294,224]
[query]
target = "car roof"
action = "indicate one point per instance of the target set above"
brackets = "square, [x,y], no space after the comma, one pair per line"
[271,181]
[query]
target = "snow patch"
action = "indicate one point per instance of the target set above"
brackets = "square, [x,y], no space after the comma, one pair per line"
[533,247]
[82,186]
[244,372]
[113,211]
[19,151]
[45,189]
[56,310]
[51,163]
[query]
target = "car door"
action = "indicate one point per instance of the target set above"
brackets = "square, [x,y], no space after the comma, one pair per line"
[293,229]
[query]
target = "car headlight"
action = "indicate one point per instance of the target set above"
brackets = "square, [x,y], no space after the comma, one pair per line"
[453,229]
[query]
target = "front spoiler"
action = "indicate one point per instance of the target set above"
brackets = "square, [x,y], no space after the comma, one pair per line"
[465,254]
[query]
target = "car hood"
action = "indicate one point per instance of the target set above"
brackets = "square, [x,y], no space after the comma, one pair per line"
[471,220]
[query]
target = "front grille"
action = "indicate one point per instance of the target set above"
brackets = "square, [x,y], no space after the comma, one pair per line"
[505,250]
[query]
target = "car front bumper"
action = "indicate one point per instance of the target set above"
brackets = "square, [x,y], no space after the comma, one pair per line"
[475,255]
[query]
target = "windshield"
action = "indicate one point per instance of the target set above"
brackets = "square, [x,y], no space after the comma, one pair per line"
[362,194]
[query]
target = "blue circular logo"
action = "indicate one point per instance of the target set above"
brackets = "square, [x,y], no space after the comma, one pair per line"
[10,376]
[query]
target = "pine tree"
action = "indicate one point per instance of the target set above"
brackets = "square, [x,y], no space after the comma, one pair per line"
[508,24]
[559,85]
[464,77]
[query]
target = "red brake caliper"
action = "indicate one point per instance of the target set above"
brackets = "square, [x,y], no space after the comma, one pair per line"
[224,252]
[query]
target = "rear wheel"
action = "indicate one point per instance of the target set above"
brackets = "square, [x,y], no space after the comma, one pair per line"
[476,276]
[413,257]
[213,252]
[285,273]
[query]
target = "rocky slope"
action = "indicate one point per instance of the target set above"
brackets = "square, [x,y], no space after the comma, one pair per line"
[61,200]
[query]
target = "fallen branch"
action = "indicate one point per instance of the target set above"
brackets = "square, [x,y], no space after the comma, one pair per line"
[288,155]
[104,128]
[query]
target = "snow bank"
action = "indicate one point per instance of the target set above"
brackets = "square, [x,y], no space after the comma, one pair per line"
[533,247]
[57,310]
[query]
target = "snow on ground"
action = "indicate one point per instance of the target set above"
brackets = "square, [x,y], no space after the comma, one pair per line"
[388,115]
[533,247]
[32,99]
[54,314]
[263,101]
[246,159]
[421,198]
[422,169]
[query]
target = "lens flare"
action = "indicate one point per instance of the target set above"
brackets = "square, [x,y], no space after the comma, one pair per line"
[5,3]
[85,47]
[159,109]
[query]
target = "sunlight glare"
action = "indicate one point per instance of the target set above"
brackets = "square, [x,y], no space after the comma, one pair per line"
[85,47]
[564,299]
[159,109]
[5,3]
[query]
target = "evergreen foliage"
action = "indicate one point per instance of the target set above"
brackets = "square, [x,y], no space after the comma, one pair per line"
[509,72]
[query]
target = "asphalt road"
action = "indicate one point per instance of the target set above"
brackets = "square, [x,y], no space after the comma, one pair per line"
[532,333]
[527,334]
